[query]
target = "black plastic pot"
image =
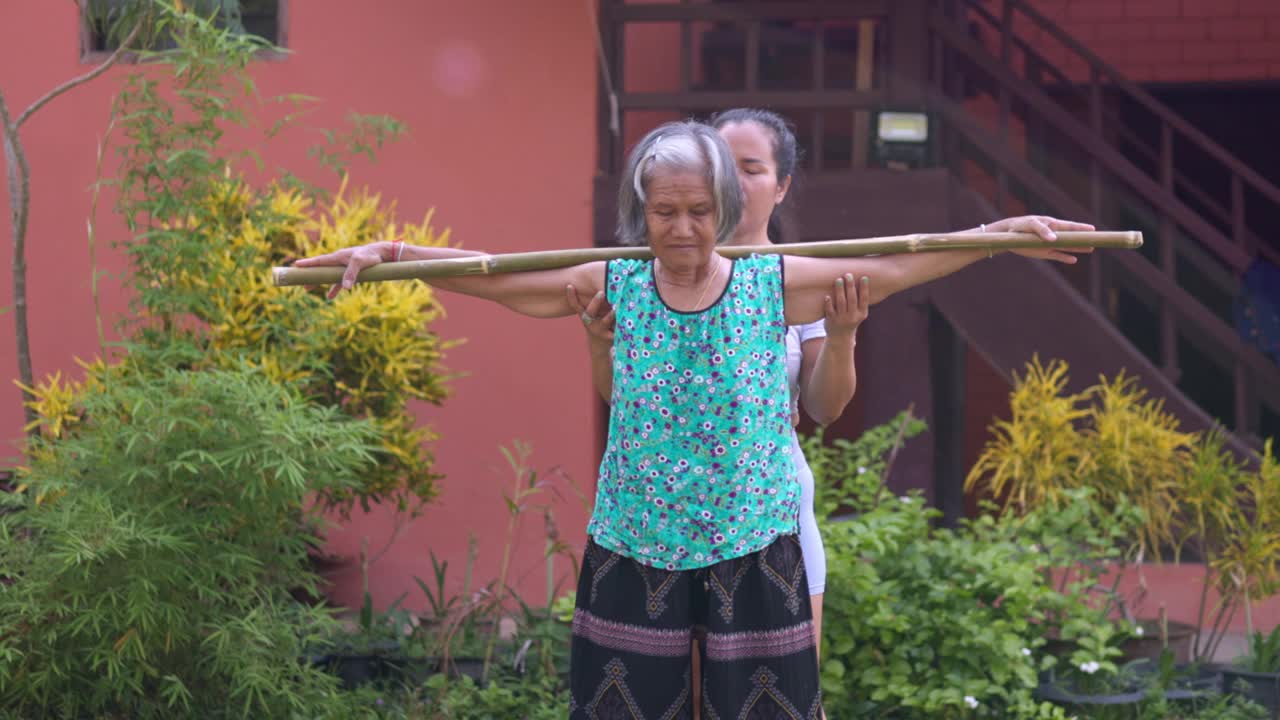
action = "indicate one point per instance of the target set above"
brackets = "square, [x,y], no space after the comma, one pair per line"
[1060,695]
[359,670]
[472,667]
[1262,688]
[1056,691]
[1189,681]
[1150,646]
[377,664]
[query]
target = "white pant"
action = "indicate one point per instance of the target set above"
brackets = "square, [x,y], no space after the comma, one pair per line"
[815,557]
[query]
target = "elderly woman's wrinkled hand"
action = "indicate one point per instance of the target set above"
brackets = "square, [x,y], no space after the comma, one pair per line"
[1047,228]
[847,306]
[354,258]
[597,316]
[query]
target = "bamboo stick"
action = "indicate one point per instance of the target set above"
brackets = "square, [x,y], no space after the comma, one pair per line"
[551,259]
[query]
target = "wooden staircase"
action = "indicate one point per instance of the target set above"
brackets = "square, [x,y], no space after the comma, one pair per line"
[1013,132]
[1053,142]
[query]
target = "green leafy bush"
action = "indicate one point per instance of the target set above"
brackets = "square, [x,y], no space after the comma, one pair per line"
[204,239]
[849,473]
[930,624]
[505,699]
[147,570]
[927,623]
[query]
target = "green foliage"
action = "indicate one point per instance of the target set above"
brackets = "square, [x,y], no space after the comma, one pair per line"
[1110,437]
[1157,707]
[366,136]
[151,560]
[903,599]
[1192,491]
[848,474]
[900,610]
[463,699]
[174,492]
[544,638]
[114,20]
[177,160]
[1075,544]
[1222,708]
[204,239]
[1264,652]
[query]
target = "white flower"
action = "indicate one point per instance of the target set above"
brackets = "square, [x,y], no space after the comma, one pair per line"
[1026,651]
[1090,667]
[1137,630]
[971,701]
[905,499]
[861,469]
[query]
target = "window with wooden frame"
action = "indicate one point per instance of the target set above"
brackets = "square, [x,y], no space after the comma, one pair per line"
[261,18]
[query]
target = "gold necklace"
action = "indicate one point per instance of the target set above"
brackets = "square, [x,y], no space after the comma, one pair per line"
[714,274]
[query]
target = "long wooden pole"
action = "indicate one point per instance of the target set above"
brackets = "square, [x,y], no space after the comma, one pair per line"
[551,259]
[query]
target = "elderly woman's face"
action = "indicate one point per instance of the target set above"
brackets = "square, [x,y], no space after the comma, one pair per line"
[680,212]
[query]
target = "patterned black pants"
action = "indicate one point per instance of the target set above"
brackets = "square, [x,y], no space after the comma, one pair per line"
[634,626]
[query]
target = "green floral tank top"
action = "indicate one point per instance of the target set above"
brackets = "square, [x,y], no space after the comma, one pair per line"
[697,468]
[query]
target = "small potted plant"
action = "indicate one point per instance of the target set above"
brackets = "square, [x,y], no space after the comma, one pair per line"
[1089,675]
[373,652]
[1256,675]
[449,633]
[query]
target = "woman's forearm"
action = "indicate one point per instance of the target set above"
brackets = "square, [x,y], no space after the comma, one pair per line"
[833,381]
[463,285]
[537,293]
[904,271]
[602,369]
[424,252]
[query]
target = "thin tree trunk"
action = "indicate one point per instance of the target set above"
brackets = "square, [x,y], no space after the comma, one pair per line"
[19,176]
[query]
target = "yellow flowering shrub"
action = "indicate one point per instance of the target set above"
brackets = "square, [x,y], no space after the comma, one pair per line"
[1110,437]
[368,352]
[1035,457]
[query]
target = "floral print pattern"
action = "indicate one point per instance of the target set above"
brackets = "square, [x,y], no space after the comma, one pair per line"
[698,467]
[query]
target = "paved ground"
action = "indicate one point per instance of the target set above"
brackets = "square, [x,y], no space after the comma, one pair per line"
[1233,645]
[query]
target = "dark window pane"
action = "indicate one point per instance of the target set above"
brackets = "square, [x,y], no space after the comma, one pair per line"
[786,55]
[254,17]
[724,52]
[847,64]
[261,18]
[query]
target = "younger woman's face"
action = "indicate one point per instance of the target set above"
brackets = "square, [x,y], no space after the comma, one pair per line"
[752,146]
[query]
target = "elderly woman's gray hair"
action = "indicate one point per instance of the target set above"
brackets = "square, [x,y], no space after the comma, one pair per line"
[679,147]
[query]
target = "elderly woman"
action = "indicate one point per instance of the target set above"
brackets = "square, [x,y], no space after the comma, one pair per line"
[695,520]
[819,355]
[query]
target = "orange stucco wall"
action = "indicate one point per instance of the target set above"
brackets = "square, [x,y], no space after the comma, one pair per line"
[499,96]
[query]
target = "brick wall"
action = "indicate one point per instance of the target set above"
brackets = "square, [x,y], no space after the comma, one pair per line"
[1173,40]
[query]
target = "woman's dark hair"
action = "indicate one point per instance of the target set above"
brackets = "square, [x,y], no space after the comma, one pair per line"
[786,153]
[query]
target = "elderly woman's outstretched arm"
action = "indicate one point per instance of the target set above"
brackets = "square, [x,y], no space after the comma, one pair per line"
[808,280]
[538,293]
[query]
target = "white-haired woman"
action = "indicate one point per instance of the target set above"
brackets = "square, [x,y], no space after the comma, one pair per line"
[819,355]
[694,528]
